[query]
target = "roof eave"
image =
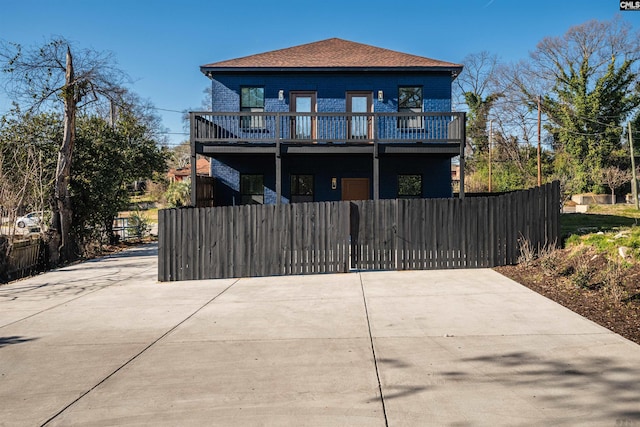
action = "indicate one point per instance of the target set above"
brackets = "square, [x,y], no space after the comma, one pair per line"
[209,71]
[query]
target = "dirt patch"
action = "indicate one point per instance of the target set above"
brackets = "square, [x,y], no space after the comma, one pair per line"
[587,282]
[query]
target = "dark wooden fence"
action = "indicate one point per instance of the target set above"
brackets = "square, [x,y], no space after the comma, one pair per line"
[253,240]
[453,233]
[331,237]
[21,259]
[204,191]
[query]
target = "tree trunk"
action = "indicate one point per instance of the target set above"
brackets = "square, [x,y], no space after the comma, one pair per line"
[62,210]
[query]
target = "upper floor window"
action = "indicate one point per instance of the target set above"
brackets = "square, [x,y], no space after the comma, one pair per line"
[409,186]
[252,189]
[410,101]
[252,100]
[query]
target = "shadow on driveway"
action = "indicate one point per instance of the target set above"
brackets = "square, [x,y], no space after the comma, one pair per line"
[5,341]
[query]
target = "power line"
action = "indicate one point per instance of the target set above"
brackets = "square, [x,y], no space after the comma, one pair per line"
[166,109]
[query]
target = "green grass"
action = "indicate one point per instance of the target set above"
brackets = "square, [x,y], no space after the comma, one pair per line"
[142,198]
[599,218]
[620,209]
[604,227]
[149,214]
[592,223]
[608,242]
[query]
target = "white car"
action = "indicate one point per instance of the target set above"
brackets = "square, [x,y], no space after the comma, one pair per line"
[32,219]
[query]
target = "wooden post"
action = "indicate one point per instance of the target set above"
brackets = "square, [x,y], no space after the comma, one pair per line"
[278,173]
[463,142]
[376,171]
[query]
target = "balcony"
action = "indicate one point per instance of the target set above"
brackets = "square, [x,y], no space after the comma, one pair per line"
[282,133]
[321,132]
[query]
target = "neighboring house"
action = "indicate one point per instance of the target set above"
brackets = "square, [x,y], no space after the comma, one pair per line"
[327,121]
[455,172]
[203,168]
[455,177]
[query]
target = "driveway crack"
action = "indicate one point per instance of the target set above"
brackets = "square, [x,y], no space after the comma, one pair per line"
[373,352]
[144,350]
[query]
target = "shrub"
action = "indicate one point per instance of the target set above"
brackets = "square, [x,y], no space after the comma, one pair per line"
[140,222]
[614,277]
[583,272]
[527,251]
[178,194]
[550,259]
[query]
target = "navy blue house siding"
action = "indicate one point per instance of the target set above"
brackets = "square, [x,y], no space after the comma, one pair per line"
[227,171]
[435,172]
[331,89]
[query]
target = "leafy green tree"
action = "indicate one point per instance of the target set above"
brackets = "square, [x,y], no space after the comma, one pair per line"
[479,110]
[108,157]
[590,76]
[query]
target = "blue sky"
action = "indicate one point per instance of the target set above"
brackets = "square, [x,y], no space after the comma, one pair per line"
[160,44]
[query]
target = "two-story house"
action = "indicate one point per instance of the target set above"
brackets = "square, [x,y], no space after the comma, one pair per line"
[327,121]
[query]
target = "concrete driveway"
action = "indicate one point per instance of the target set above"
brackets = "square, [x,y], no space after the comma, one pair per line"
[103,343]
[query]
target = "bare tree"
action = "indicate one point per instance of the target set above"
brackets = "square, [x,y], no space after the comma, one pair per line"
[613,177]
[477,89]
[56,72]
[27,144]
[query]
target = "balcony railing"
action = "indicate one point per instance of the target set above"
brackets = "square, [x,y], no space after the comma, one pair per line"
[324,128]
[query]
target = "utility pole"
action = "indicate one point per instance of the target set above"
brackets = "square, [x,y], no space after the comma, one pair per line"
[539,149]
[634,179]
[490,141]
[112,108]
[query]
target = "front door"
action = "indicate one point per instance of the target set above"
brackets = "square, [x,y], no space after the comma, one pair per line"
[303,126]
[359,127]
[355,189]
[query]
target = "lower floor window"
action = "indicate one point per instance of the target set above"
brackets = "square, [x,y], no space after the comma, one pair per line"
[252,189]
[409,186]
[301,188]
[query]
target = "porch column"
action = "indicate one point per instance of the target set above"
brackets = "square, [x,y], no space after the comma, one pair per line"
[278,173]
[194,190]
[376,171]
[463,143]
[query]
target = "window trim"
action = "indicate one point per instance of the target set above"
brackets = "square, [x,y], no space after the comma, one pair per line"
[300,120]
[249,122]
[411,123]
[357,124]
